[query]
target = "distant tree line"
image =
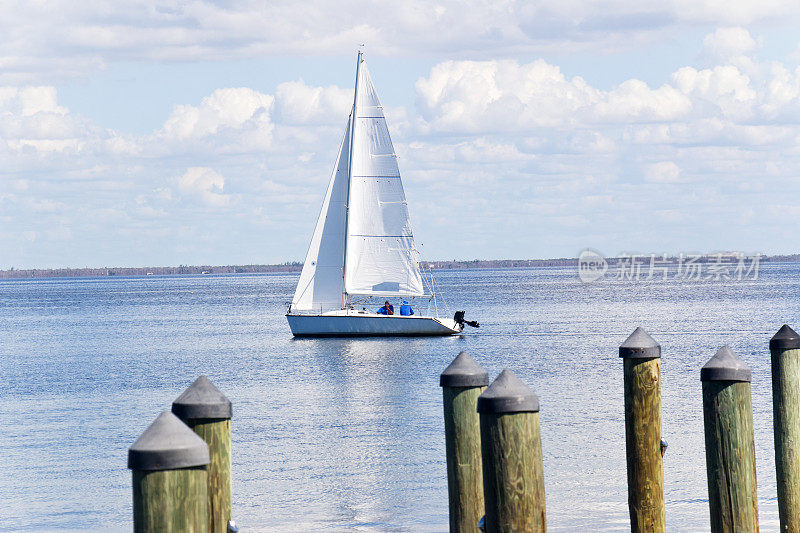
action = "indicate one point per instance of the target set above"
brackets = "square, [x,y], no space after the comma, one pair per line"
[296,266]
[289,266]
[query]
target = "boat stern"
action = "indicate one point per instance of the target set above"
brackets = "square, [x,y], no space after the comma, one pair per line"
[451,324]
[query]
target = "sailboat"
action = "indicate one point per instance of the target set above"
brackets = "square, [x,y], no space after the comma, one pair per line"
[362,247]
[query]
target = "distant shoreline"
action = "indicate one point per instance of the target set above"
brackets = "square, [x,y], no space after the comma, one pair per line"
[297,266]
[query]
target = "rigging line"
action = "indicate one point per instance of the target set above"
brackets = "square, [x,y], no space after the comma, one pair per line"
[433,291]
[444,302]
[425,281]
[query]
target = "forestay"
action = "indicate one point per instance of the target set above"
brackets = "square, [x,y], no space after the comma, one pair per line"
[320,286]
[381,257]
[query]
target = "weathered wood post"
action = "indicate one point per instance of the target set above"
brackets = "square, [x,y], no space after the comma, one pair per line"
[208,412]
[730,448]
[511,445]
[462,382]
[170,493]
[785,351]
[641,357]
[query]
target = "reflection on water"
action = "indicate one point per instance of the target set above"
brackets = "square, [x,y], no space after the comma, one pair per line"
[346,434]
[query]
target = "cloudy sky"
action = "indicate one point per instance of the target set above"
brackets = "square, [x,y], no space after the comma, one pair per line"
[164,133]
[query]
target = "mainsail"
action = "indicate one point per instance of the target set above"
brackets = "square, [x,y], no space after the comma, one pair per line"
[381,257]
[362,243]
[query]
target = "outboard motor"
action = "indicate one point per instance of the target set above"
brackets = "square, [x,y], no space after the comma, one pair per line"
[459,318]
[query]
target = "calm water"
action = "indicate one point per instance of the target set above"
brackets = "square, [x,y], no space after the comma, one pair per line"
[346,435]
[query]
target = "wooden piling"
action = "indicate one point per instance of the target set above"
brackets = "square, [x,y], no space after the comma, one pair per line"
[785,358]
[208,412]
[168,463]
[462,382]
[730,448]
[511,445]
[642,378]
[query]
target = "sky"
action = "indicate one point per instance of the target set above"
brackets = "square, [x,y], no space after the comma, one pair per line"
[163,133]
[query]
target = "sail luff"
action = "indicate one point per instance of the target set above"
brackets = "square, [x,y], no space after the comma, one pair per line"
[353,115]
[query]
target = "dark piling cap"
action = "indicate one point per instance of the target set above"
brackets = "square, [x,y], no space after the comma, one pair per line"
[507,394]
[640,345]
[725,366]
[464,371]
[785,339]
[167,444]
[202,400]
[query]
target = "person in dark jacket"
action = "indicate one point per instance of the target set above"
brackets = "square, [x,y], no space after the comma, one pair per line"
[405,309]
[387,309]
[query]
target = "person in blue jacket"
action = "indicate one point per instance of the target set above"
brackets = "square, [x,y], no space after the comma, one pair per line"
[387,309]
[405,309]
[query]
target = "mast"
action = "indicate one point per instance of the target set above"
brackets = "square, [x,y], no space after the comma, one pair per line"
[353,118]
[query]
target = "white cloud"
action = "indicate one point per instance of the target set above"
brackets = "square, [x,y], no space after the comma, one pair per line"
[491,144]
[299,104]
[723,87]
[490,95]
[741,12]
[46,145]
[65,39]
[30,117]
[663,172]
[206,183]
[780,100]
[633,101]
[727,45]
[28,101]
[238,118]
[476,151]
[720,104]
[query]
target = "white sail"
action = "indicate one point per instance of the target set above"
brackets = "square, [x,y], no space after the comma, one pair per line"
[362,243]
[381,257]
[320,287]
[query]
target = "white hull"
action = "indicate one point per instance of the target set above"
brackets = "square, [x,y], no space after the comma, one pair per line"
[356,324]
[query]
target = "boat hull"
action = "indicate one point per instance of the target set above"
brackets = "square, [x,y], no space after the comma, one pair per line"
[369,325]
